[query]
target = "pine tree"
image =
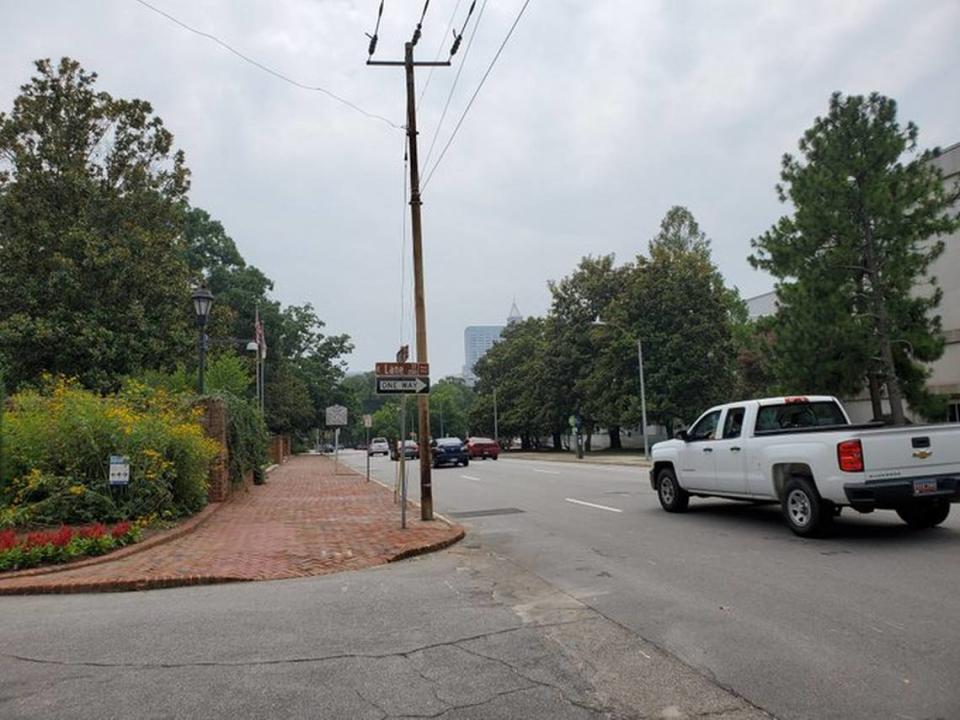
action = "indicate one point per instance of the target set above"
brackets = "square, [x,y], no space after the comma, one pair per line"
[858,245]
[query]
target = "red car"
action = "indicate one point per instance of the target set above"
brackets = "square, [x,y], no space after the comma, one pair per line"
[480,447]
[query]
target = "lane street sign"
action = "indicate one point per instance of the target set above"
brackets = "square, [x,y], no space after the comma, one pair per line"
[419,385]
[403,369]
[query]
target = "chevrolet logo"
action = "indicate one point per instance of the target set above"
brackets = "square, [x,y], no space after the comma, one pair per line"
[922,454]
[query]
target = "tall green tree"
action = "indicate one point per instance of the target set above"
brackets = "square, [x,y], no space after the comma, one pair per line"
[855,249]
[514,367]
[450,402]
[92,277]
[675,301]
[594,383]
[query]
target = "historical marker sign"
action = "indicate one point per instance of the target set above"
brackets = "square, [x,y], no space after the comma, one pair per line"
[336,415]
[403,385]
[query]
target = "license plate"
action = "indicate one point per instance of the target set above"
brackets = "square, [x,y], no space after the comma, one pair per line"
[924,487]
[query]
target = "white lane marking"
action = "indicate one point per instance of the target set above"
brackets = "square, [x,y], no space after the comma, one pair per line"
[546,472]
[470,477]
[593,505]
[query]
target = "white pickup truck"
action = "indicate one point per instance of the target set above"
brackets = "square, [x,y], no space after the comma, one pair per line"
[804,453]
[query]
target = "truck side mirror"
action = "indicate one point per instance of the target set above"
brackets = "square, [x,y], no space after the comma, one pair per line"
[682,435]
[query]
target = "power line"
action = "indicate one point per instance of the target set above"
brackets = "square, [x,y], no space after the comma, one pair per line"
[475,93]
[423,90]
[271,71]
[453,87]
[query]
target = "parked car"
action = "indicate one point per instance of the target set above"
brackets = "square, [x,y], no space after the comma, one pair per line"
[379,446]
[411,451]
[450,451]
[481,447]
[804,453]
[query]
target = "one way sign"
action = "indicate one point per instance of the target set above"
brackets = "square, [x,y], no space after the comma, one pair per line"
[403,385]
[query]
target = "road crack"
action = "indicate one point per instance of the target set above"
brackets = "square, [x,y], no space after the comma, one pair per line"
[279,661]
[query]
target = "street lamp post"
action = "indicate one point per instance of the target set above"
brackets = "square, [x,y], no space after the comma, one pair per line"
[643,393]
[202,300]
[643,402]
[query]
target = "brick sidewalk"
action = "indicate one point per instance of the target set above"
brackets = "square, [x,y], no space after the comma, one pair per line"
[304,521]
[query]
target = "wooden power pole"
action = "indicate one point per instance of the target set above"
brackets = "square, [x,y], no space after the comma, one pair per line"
[420,311]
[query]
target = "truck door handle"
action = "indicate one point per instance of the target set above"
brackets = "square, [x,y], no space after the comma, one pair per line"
[734,449]
[708,449]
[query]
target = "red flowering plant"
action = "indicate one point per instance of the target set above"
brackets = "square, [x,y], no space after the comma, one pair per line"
[63,544]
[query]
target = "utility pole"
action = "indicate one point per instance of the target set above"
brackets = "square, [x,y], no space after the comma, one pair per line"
[420,312]
[496,430]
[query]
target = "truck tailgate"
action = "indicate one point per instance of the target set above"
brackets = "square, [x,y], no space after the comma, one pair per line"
[911,451]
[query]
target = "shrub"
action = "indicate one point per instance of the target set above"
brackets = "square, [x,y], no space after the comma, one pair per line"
[58,439]
[246,438]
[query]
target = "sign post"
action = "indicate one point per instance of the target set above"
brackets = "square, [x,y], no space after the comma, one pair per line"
[119,475]
[336,418]
[405,378]
[367,424]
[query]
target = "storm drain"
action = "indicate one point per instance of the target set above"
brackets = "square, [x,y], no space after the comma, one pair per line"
[486,513]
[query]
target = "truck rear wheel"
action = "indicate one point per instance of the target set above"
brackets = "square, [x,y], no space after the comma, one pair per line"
[673,498]
[807,514]
[925,515]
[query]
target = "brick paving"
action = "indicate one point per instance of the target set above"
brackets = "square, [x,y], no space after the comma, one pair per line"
[305,520]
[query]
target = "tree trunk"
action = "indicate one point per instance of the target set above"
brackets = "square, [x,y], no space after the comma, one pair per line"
[615,443]
[525,441]
[557,441]
[589,441]
[876,400]
[879,308]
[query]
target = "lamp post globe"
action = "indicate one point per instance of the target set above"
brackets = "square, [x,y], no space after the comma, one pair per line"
[202,301]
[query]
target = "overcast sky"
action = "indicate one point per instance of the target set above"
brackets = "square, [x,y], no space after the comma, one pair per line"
[599,116]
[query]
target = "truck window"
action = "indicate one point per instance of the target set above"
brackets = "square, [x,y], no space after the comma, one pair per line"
[705,427]
[733,424]
[787,416]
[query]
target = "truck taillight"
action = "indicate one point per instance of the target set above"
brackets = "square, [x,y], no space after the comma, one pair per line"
[850,456]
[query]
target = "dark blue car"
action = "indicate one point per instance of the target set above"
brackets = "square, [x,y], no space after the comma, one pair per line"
[450,451]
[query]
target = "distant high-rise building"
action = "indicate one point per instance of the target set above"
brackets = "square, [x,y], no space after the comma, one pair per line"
[477,339]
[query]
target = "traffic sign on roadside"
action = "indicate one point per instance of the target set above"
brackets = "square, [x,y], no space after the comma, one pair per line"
[368,421]
[417,385]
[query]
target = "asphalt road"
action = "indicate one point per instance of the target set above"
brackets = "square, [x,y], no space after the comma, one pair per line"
[861,625]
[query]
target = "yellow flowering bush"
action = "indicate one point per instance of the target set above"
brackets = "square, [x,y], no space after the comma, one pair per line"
[58,440]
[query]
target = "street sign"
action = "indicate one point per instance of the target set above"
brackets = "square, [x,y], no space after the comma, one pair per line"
[119,470]
[336,415]
[403,369]
[368,421]
[403,385]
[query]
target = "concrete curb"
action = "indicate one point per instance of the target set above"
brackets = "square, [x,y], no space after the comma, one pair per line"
[587,460]
[432,547]
[188,526]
